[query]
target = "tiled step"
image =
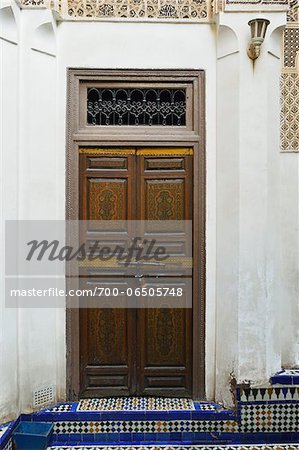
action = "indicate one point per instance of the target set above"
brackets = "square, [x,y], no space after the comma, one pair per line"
[132,420]
[263,415]
[184,447]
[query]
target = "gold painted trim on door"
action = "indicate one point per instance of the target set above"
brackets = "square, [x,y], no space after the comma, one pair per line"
[165,152]
[108,151]
[142,152]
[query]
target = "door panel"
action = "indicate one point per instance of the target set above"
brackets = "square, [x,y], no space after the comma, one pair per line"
[107,336]
[106,351]
[165,333]
[147,351]
[107,199]
[164,199]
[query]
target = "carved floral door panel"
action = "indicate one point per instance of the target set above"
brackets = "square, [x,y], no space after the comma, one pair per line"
[135,351]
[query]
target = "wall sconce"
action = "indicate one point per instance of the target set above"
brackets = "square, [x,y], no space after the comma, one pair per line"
[258,33]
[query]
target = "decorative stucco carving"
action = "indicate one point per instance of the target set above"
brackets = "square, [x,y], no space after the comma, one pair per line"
[289,111]
[126,9]
[252,5]
[245,5]
[293,12]
[291,46]
[137,9]
[289,83]
[257,2]
[33,3]
[153,9]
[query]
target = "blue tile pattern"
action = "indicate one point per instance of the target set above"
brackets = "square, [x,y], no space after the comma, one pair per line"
[8,445]
[3,430]
[136,404]
[263,415]
[268,394]
[269,418]
[185,447]
[62,407]
[5,435]
[147,426]
[287,377]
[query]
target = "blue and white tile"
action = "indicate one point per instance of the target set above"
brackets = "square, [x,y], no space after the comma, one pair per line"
[268,394]
[184,447]
[61,407]
[8,445]
[3,430]
[136,404]
[286,377]
[269,418]
[160,426]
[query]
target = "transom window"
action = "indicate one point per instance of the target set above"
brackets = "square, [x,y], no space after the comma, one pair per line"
[136,107]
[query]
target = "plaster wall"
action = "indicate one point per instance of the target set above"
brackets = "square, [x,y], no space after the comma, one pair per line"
[41,343]
[30,351]
[253,335]
[228,210]
[9,77]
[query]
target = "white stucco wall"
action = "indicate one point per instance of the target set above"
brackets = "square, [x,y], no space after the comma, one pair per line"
[32,341]
[9,77]
[257,314]
[252,189]
[227,179]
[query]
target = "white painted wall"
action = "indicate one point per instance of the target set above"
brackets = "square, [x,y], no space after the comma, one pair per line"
[257,290]
[9,121]
[32,348]
[228,209]
[252,189]
[41,345]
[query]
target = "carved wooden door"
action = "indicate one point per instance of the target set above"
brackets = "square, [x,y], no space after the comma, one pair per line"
[135,351]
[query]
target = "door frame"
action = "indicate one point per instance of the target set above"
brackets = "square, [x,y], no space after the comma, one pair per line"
[193,137]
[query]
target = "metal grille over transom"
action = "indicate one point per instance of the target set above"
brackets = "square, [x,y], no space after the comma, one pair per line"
[136,107]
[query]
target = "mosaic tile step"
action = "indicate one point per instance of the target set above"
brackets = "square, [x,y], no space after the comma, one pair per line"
[114,427]
[268,415]
[137,404]
[185,447]
[5,436]
[287,377]
[269,418]
[134,409]
[122,404]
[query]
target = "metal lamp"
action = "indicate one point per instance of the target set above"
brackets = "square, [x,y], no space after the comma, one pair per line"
[258,33]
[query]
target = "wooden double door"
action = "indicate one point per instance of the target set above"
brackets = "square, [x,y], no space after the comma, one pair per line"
[135,351]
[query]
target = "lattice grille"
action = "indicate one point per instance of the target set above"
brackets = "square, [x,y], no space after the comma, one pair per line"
[136,107]
[289,83]
[290,112]
[43,396]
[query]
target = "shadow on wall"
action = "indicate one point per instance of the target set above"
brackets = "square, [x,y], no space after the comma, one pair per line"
[8,25]
[44,39]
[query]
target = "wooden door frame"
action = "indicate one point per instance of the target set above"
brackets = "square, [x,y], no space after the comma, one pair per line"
[193,137]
